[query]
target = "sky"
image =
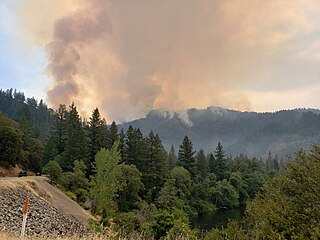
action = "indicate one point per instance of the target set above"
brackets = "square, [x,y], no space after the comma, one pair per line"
[128,57]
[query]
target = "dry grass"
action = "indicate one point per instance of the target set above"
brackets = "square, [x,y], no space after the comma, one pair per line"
[108,236]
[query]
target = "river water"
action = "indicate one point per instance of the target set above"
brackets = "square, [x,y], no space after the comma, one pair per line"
[217,219]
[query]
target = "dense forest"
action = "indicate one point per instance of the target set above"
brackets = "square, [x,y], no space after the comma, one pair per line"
[254,134]
[131,181]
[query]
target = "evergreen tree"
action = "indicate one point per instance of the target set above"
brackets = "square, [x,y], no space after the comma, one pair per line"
[25,122]
[134,148]
[35,155]
[202,166]
[288,206]
[96,136]
[219,163]
[112,135]
[155,170]
[60,128]
[122,137]
[186,156]
[211,163]
[172,158]
[11,142]
[76,146]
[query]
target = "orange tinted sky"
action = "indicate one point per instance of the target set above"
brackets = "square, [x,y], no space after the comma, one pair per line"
[128,57]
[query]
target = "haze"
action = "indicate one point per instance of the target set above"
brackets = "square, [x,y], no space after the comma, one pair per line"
[128,57]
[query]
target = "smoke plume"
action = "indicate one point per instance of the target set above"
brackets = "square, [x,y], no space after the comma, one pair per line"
[128,57]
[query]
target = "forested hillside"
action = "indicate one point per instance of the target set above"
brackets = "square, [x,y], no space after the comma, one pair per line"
[24,125]
[253,134]
[129,178]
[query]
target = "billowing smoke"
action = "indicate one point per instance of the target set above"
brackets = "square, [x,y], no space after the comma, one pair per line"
[128,57]
[71,36]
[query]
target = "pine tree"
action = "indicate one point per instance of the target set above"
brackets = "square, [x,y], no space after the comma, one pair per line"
[156,169]
[56,141]
[172,158]
[25,122]
[122,137]
[219,166]
[76,146]
[186,156]
[59,128]
[134,148]
[112,135]
[202,167]
[96,136]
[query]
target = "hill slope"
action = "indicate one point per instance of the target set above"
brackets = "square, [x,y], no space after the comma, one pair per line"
[51,212]
[251,133]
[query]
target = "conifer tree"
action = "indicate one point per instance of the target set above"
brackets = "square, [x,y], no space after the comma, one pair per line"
[219,166]
[56,140]
[134,148]
[112,135]
[186,156]
[202,167]
[122,137]
[96,136]
[172,158]
[156,169]
[76,146]
[59,130]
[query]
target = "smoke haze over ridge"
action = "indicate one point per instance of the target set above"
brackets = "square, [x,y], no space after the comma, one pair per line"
[128,57]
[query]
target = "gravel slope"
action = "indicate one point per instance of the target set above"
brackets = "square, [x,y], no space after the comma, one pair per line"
[51,213]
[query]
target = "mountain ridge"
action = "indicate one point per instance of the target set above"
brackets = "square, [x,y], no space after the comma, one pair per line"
[252,133]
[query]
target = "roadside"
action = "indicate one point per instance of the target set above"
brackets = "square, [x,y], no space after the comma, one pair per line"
[40,187]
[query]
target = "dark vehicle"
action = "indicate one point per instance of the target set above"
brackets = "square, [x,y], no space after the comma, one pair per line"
[38,174]
[22,174]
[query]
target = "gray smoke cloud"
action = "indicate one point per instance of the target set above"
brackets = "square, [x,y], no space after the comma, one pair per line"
[71,34]
[128,57]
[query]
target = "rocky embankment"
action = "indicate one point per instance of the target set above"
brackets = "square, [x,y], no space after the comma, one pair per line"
[43,219]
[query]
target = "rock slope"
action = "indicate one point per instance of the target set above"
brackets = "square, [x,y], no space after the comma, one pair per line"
[43,219]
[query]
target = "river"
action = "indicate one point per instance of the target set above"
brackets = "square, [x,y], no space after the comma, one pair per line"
[217,219]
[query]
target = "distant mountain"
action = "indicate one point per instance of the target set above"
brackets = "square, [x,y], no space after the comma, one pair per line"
[255,134]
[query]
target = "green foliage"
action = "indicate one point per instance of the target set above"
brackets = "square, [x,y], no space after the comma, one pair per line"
[168,197]
[186,155]
[181,230]
[155,170]
[202,166]
[199,184]
[10,142]
[96,132]
[218,164]
[233,231]
[134,148]
[225,195]
[288,206]
[76,144]
[53,169]
[164,222]
[172,158]
[182,181]
[129,187]
[14,105]
[103,183]
[112,135]
[240,186]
